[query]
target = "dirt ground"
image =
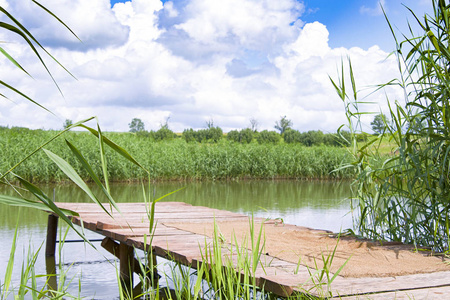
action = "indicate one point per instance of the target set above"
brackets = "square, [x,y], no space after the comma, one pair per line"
[294,243]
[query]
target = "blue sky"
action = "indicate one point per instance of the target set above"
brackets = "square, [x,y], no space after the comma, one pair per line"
[199,60]
[360,23]
[350,25]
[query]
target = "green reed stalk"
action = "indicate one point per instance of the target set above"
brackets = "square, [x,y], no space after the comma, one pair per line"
[404,196]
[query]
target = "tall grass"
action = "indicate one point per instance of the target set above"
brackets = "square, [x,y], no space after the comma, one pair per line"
[172,160]
[406,197]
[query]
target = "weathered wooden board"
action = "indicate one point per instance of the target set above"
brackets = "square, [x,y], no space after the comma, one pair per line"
[131,226]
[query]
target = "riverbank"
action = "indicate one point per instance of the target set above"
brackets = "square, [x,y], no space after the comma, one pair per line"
[173,159]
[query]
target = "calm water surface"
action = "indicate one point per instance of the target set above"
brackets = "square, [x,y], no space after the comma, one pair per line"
[321,205]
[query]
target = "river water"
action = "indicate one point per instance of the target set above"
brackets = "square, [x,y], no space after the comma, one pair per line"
[91,272]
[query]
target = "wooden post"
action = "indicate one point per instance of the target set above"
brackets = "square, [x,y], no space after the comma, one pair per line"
[52,282]
[52,230]
[126,256]
[114,248]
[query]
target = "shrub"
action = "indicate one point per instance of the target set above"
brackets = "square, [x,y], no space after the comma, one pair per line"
[246,136]
[189,135]
[233,135]
[163,134]
[312,137]
[266,136]
[291,136]
[212,134]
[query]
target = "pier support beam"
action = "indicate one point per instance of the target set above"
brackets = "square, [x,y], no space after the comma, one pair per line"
[128,264]
[52,282]
[126,256]
[52,230]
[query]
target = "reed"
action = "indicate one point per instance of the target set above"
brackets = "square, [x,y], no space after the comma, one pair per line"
[170,160]
[404,197]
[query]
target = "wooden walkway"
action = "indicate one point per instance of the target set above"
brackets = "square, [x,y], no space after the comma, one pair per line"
[130,229]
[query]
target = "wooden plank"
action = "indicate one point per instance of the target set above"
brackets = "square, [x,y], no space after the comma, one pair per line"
[349,286]
[433,293]
[123,233]
[280,277]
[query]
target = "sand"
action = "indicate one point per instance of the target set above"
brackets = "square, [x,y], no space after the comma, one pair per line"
[295,243]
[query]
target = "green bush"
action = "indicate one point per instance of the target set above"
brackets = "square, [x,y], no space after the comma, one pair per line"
[163,134]
[246,136]
[312,137]
[291,136]
[268,137]
[233,135]
[189,135]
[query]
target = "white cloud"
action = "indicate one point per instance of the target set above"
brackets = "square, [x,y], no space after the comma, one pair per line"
[170,9]
[4,4]
[93,22]
[225,60]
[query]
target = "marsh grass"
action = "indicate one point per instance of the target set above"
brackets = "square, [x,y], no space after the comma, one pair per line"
[50,158]
[404,197]
[168,160]
[29,284]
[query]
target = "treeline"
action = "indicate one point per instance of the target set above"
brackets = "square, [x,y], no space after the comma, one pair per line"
[172,159]
[247,136]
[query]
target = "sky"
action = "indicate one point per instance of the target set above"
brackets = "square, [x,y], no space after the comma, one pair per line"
[192,62]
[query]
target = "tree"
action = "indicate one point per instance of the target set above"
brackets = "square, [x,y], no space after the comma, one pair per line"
[67,123]
[136,125]
[283,124]
[268,137]
[210,123]
[165,125]
[291,136]
[379,123]
[233,135]
[253,124]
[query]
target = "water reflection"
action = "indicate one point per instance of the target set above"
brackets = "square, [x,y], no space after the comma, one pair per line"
[316,204]
[271,198]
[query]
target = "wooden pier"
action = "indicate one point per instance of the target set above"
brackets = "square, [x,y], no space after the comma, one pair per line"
[173,238]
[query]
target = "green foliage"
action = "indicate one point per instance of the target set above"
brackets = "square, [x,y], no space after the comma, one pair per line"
[136,125]
[405,196]
[233,135]
[244,136]
[283,124]
[67,123]
[12,25]
[312,137]
[163,133]
[209,135]
[268,137]
[171,159]
[417,124]
[379,123]
[189,135]
[291,136]
[316,138]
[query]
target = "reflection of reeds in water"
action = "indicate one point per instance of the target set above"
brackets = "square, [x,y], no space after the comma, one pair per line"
[244,196]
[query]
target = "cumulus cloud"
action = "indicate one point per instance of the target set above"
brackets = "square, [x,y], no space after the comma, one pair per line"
[93,22]
[193,61]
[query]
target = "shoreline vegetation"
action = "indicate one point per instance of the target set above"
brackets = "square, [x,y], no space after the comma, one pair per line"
[173,159]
